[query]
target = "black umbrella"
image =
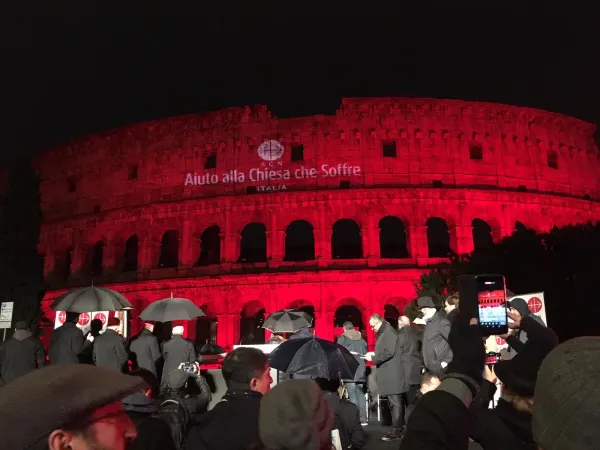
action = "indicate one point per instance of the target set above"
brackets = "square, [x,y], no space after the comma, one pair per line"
[287,321]
[314,357]
[170,309]
[211,349]
[90,299]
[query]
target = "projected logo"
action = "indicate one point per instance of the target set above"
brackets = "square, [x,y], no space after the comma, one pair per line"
[270,150]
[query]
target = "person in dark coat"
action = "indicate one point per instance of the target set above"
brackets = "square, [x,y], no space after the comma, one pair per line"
[21,354]
[66,341]
[176,351]
[347,420]
[429,382]
[153,433]
[389,377]
[109,348]
[302,333]
[451,307]
[144,350]
[87,354]
[353,341]
[247,374]
[408,348]
[516,339]
[436,350]
[509,425]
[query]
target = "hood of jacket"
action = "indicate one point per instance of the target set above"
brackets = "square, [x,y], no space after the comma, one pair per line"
[520,305]
[353,335]
[21,335]
[138,402]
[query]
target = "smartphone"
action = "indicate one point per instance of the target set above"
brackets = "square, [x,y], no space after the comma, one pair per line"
[491,304]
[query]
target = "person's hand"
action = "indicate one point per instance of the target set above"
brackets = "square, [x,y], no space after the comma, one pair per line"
[468,350]
[489,374]
[369,356]
[507,335]
[516,317]
[90,338]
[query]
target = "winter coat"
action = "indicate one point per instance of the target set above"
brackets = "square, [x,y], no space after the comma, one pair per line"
[110,352]
[353,341]
[144,351]
[175,351]
[436,349]
[347,421]
[19,355]
[408,348]
[153,433]
[389,377]
[302,333]
[517,340]
[213,431]
[66,343]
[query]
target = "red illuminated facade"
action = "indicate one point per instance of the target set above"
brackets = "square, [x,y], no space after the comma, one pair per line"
[241,212]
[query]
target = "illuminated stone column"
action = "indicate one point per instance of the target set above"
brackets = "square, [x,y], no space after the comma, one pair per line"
[461,238]
[324,324]
[49,262]
[109,258]
[417,237]
[185,245]
[78,255]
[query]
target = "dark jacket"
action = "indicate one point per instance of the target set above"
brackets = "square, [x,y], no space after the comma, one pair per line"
[452,315]
[232,424]
[152,432]
[390,373]
[175,351]
[145,352]
[353,341]
[435,344]
[19,355]
[408,348]
[347,421]
[302,333]
[66,343]
[110,352]
[517,340]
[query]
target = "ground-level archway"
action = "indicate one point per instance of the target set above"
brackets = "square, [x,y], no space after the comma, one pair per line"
[251,320]
[348,312]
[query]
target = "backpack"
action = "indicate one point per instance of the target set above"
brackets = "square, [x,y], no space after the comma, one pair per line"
[177,417]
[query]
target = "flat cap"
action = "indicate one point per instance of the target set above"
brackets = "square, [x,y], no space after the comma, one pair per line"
[34,405]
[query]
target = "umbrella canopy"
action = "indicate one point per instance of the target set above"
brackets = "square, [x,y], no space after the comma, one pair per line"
[314,357]
[287,321]
[211,349]
[90,299]
[170,309]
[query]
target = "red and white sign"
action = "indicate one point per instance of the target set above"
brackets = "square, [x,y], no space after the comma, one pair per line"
[85,319]
[535,305]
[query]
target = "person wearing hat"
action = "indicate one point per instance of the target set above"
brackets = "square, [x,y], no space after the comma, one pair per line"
[109,348]
[75,407]
[509,424]
[176,351]
[21,354]
[517,338]
[66,341]
[435,348]
[567,394]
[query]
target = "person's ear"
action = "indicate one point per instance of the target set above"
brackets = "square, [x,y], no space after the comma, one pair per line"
[254,383]
[59,440]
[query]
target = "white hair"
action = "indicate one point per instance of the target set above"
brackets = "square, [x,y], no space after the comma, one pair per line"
[178,330]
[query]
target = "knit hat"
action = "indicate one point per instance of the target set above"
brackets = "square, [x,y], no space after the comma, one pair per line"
[177,379]
[425,302]
[567,395]
[295,416]
[47,399]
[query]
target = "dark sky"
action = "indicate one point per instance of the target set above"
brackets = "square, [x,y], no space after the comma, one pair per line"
[72,72]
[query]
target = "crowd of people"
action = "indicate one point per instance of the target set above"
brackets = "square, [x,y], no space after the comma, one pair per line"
[100,392]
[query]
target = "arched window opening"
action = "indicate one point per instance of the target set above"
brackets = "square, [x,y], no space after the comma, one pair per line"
[206,328]
[392,238]
[130,259]
[475,151]
[253,247]
[299,241]
[251,320]
[391,314]
[482,234]
[552,159]
[347,313]
[346,241]
[301,305]
[169,250]
[97,257]
[210,247]
[438,238]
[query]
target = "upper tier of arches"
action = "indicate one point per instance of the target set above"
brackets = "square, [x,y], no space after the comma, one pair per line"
[367,143]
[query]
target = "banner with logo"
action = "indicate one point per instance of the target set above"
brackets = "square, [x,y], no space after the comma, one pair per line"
[84,319]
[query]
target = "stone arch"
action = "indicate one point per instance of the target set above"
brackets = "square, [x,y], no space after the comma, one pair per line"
[97,258]
[169,250]
[482,234]
[346,240]
[210,246]
[391,314]
[392,238]
[438,238]
[349,310]
[299,241]
[253,245]
[252,317]
[131,254]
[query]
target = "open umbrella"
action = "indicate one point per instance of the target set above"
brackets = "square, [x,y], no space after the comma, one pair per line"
[91,299]
[287,321]
[314,357]
[170,309]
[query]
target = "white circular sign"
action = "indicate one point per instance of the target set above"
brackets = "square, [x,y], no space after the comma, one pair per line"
[270,150]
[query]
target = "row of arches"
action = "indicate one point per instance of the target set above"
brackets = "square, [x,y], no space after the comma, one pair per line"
[346,243]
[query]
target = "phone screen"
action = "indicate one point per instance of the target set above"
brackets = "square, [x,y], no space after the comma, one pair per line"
[491,302]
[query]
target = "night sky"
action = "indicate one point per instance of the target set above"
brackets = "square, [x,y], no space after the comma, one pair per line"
[67,73]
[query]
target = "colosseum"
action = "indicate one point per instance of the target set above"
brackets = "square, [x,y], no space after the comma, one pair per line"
[246,214]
